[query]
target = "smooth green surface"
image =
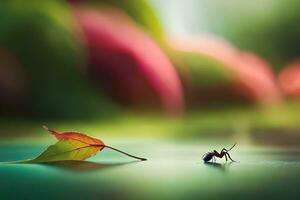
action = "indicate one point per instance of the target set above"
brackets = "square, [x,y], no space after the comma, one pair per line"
[174,171]
[276,125]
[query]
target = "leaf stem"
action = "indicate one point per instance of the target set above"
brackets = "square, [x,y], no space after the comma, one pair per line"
[127,154]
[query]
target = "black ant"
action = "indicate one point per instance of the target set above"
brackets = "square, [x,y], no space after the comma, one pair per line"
[211,155]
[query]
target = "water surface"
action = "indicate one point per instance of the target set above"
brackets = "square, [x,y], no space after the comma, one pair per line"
[174,171]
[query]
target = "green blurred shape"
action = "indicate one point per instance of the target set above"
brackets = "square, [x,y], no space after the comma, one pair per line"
[269,28]
[205,71]
[41,34]
[205,79]
[141,11]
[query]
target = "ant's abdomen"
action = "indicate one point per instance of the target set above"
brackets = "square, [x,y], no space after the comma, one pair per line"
[208,157]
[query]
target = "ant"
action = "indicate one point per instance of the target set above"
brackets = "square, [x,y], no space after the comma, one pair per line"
[211,155]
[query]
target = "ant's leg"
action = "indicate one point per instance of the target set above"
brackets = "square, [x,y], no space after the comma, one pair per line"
[226,150]
[230,157]
[225,157]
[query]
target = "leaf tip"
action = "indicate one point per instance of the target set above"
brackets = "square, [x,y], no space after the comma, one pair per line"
[50,130]
[45,127]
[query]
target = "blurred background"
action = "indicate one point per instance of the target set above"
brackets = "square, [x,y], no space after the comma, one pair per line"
[203,69]
[163,79]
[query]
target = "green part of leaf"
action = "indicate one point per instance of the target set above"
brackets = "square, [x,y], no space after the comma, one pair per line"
[67,149]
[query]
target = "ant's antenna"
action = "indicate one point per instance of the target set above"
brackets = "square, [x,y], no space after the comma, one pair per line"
[232,147]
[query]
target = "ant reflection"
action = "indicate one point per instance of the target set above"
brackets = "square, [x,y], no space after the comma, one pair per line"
[222,167]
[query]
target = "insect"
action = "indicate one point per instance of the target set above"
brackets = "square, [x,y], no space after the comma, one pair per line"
[211,155]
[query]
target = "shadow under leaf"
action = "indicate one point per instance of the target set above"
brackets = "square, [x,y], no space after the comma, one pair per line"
[84,166]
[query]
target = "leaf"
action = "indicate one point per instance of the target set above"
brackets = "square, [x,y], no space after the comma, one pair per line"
[72,146]
[76,136]
[67,149]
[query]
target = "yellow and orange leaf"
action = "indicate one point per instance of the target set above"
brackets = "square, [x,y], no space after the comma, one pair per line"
[72,146]
[67,149]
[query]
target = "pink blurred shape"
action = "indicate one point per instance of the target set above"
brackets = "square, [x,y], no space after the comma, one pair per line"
[289,79]
[253,77]
[127,62]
